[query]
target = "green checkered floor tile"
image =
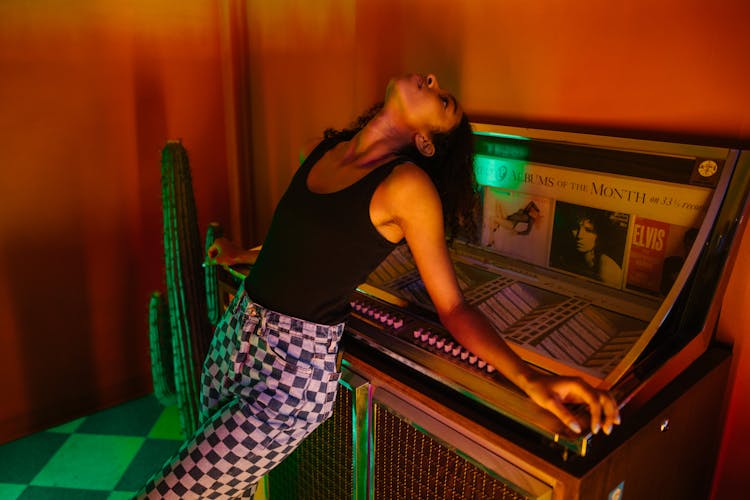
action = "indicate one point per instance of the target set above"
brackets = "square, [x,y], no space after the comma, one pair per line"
[107,455]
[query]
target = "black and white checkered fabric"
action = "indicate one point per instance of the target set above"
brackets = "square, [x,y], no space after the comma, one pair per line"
[269,380]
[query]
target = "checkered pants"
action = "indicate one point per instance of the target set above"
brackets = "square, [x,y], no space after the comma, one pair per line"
[268,381]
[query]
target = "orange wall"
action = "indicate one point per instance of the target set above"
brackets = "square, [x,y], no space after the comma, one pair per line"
[89,93]
[91,89]
[734,460]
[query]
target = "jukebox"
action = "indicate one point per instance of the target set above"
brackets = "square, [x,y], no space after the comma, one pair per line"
[599,257]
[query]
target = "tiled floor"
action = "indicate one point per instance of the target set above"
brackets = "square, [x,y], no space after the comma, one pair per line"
[107,455]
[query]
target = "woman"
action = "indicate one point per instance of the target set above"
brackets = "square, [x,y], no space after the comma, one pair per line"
[271,377]
[586,241]
[594,262]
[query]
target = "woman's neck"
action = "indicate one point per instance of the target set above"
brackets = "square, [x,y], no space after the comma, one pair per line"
[380,139]
[590,258]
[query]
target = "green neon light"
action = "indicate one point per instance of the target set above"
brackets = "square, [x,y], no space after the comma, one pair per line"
[503,136]
[499,172]
[500,160]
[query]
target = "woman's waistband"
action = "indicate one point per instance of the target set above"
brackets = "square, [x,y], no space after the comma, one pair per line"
[315,331]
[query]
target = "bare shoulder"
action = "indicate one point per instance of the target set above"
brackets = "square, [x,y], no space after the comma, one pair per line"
[609,271]
[409,198]
[409,181]
[408,171]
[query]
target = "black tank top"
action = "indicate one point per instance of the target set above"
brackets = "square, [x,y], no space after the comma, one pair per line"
[319,246]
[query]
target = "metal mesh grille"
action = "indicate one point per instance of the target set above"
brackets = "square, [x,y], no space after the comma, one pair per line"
[411,465]
[322,467]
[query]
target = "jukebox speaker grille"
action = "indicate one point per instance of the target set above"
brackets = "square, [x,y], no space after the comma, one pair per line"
[322,467]
[411,465]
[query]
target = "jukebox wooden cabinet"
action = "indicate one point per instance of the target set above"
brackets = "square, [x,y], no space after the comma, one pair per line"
[400,437]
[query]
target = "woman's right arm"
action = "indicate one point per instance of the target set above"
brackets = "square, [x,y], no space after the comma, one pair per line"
[225,252]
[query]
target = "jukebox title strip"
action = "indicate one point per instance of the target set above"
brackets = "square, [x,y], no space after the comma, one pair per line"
[678,204]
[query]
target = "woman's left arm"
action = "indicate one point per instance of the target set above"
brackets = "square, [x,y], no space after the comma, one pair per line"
[416,209]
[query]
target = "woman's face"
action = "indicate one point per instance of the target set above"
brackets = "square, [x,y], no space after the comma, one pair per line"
[425,107]
[585,236]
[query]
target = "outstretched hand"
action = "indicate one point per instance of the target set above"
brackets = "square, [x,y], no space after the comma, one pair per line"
[552,392]
[223,252]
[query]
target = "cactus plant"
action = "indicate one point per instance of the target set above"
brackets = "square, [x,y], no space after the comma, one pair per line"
[186,295]
[160,340]
[213,302]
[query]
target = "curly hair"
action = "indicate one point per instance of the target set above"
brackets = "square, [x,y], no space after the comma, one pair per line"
[451,169]
[607,236]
